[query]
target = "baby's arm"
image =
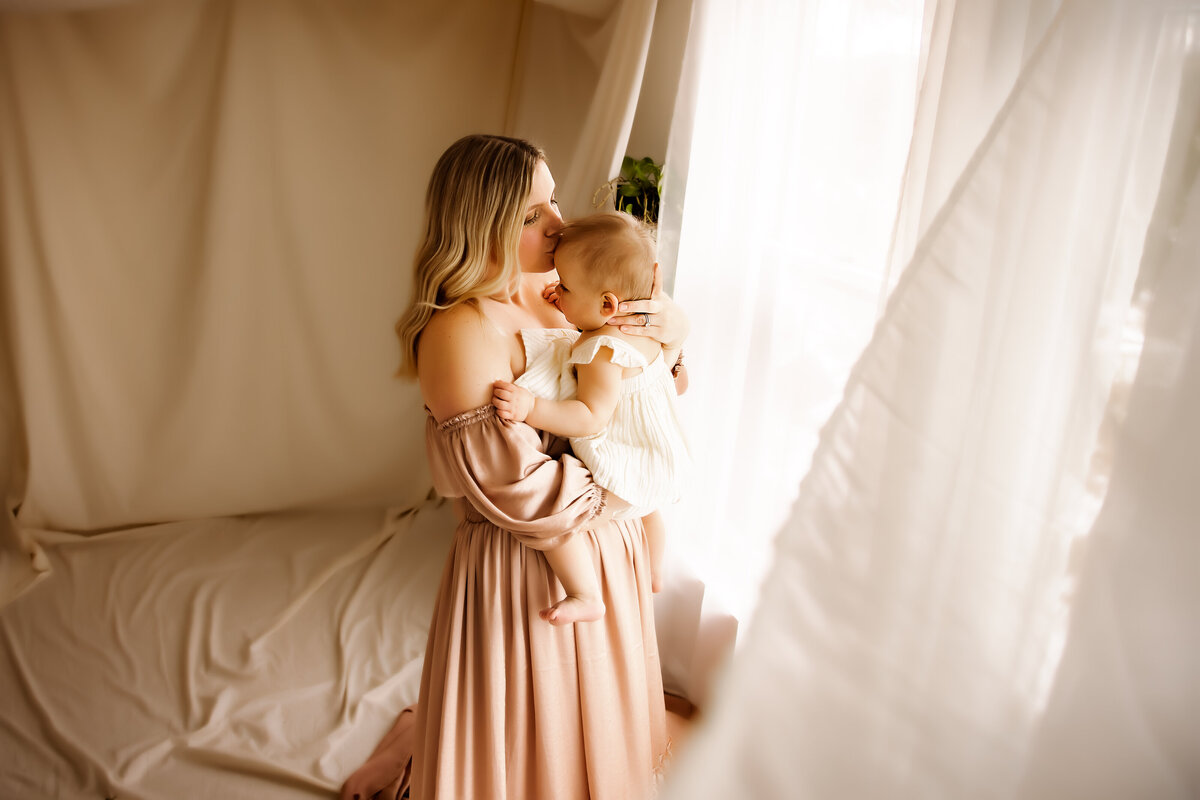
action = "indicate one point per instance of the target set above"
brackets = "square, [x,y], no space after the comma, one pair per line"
[588,414]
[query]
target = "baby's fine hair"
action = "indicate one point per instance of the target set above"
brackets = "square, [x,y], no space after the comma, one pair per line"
[619,250]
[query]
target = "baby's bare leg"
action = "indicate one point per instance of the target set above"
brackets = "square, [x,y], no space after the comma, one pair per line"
[572,564]
[656,538]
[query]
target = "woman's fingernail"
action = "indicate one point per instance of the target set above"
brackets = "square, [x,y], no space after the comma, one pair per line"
[624,306]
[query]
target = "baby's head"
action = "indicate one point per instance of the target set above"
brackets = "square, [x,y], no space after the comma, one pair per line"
[602,260]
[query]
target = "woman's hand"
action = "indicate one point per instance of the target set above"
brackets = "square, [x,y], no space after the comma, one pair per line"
[659,317]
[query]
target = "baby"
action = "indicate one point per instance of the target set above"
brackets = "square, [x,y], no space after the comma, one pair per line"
[612,394]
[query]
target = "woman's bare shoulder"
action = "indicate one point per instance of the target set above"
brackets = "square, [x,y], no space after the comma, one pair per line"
[459,356]
[450,324]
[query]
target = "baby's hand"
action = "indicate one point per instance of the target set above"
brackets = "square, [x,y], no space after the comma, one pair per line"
[550,294]
[511,401]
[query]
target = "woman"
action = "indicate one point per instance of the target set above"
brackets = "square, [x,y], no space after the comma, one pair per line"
[509,705]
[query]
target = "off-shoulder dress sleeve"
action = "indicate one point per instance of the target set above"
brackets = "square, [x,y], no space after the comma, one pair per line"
[506,476]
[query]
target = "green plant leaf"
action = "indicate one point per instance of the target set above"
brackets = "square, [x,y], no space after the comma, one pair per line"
[635,190]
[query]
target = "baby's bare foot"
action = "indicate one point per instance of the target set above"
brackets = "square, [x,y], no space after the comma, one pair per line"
[573,609]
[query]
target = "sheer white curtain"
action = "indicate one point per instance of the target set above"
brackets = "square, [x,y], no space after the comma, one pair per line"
[792,137]
[945,550]
[972,55]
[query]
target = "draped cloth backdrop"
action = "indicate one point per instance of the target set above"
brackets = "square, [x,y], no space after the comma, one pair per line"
[986,586]
[209,210]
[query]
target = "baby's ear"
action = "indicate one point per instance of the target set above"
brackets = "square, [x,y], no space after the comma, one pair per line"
[609,304]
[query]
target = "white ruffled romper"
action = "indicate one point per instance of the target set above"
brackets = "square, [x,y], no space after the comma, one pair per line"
[642,455]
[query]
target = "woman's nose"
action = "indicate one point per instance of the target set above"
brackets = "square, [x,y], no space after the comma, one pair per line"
[554,221]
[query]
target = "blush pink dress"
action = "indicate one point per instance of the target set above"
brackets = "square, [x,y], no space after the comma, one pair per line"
[511,706]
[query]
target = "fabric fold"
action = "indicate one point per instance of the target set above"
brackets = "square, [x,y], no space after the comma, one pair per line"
[499,467]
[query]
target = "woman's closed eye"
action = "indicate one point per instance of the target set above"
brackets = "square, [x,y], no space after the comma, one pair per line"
[536,215]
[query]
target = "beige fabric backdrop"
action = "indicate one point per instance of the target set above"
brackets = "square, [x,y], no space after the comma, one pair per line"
[209,211]
[210,208]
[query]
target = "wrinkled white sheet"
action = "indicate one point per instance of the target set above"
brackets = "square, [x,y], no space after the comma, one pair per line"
[253,657]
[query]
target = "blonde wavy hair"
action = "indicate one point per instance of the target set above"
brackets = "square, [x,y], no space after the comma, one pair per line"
[474,214]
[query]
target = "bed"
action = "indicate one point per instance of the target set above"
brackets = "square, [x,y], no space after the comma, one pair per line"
[255,656]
